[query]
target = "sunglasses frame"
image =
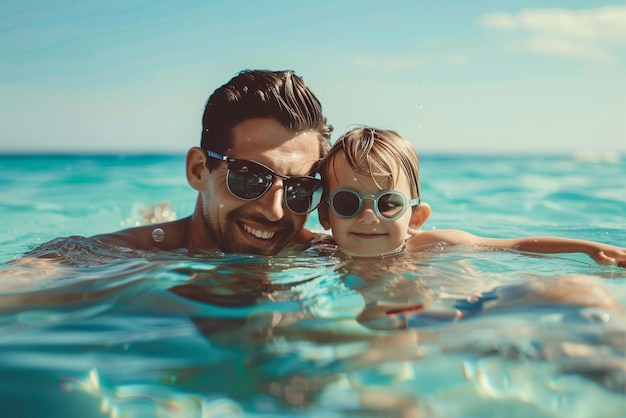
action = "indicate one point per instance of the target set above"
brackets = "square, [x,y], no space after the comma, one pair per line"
[286,180]
[407,203]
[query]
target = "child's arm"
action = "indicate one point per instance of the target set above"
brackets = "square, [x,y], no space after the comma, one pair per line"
[601,253]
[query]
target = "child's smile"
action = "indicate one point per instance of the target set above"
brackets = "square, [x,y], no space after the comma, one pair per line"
[360,227]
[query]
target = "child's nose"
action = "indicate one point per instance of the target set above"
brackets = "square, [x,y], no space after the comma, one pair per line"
[368,214]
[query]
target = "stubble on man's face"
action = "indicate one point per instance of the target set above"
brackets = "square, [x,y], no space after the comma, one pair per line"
[256,227]
[232,228]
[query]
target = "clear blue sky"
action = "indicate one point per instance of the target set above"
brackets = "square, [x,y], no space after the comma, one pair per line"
[451,75]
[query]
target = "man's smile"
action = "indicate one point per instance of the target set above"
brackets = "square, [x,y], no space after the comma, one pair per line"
[258,233]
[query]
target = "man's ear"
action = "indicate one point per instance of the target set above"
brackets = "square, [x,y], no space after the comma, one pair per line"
[421,215]
[323,213]
[196,158]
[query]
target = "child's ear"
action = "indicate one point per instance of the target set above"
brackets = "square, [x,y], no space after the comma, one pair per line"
[196,158]
[323,213]
[421,215]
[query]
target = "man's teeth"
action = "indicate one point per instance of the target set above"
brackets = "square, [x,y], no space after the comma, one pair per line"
[258,233]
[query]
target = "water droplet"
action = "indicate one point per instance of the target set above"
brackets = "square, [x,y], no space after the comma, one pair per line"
[158,235]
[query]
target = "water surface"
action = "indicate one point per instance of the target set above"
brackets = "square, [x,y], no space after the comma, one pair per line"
[93,330]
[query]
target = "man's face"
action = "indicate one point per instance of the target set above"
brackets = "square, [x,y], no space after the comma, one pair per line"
[265,225]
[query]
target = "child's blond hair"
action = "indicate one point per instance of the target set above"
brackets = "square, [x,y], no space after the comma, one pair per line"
[376,152]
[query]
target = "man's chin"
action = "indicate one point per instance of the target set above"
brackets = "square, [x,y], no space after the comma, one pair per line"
[249,244]
[252,250]
[250,238]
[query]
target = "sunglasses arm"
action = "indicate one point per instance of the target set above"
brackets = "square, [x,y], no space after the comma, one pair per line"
[216,155]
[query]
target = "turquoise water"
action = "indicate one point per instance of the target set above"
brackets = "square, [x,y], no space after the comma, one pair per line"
[90,330]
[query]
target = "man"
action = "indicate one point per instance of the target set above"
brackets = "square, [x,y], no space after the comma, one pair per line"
[263,134]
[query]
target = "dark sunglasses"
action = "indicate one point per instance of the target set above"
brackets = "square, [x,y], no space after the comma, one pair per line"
[249,180]
[389,205]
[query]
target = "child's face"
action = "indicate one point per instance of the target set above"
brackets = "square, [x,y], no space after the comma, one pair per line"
[365,234]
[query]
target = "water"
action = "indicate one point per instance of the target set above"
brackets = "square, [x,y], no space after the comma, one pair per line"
[107,332]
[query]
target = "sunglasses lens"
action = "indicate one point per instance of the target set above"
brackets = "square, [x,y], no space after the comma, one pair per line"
[345,203]
[248,180]
[390,205]
[303,194]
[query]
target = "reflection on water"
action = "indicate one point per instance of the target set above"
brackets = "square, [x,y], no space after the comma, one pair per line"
[97,331]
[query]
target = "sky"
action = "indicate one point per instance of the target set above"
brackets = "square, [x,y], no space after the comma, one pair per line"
[453,76]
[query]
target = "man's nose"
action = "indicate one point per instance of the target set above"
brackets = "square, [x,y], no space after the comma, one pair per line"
[270,205]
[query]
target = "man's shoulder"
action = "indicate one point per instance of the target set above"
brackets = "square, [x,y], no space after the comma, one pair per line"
[164,236]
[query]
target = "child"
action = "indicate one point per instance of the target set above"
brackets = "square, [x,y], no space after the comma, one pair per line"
[373,202]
